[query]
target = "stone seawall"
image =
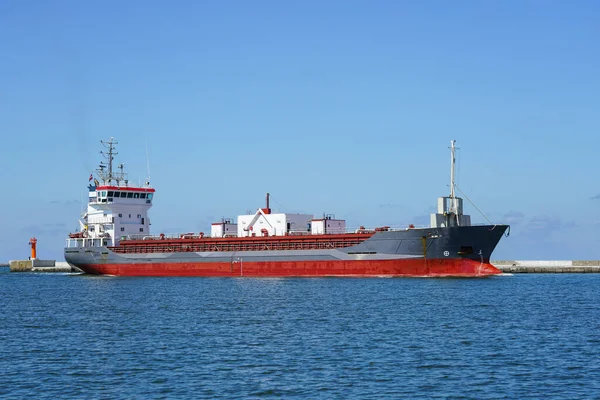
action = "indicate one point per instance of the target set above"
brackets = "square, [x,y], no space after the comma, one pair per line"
[40,266]
[548,266]
[20,265]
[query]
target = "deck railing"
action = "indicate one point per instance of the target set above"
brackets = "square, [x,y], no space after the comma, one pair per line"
[87,242]
[200,235]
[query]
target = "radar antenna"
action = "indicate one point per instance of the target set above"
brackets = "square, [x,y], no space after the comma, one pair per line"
[121,176]
[107,176]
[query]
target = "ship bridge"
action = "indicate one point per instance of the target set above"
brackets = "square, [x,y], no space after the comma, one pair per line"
[116,208]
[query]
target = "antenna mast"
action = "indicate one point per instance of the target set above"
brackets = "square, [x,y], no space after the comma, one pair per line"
[452,168]
[107,176]
[450,208]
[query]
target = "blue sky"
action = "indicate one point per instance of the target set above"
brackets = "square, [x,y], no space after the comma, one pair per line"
[344,107]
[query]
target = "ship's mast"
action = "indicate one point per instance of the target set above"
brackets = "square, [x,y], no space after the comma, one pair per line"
[450,208]
[107,176]
[453,207]
[452,167]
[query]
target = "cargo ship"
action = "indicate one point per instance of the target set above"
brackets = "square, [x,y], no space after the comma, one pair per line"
[113,238]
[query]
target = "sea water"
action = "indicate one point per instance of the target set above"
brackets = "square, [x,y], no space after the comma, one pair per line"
[516,337]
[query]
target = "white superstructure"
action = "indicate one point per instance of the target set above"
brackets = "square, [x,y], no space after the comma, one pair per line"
[263,223]
[115,207]
[225,228]
[327,225]
[266,223]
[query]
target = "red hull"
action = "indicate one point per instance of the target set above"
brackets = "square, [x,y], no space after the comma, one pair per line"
[365,268]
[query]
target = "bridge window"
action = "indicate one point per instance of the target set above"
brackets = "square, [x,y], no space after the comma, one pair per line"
[123,194]
[142,195]
[136,195]
[150,196]
[110,193]
[130,195]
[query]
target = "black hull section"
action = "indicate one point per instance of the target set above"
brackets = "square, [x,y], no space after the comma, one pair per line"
[471,242]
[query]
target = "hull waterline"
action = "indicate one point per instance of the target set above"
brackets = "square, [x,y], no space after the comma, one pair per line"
[367,268]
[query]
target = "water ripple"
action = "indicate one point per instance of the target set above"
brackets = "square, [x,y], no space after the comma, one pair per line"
[524,336]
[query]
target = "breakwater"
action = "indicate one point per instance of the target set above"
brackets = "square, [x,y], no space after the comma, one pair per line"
[40,266]
[548,266]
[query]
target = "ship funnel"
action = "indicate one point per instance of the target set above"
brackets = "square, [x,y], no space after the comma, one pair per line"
[267,210]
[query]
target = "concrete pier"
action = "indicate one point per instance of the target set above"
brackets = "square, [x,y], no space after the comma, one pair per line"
[548,266]
[40,266]
[20,265]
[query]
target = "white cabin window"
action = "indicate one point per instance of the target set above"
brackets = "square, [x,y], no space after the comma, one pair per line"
[141,229]
[120,215]
[122,229]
